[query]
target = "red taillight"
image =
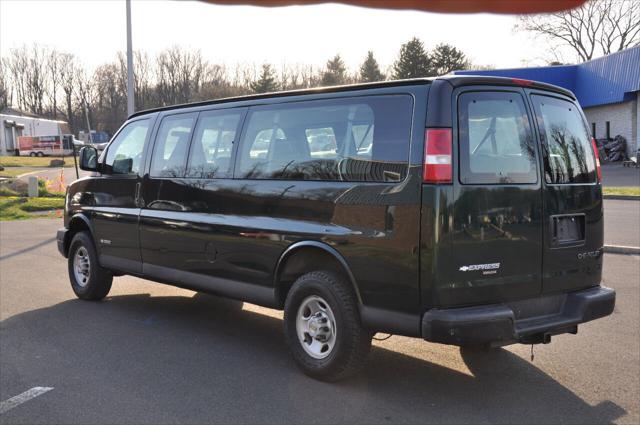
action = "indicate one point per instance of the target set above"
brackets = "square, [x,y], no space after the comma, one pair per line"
[597,154]
[438,167]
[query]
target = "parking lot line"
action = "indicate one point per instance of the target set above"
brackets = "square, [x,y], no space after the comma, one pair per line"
[34,392]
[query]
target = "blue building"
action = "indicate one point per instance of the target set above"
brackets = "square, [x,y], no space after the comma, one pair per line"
[607,88]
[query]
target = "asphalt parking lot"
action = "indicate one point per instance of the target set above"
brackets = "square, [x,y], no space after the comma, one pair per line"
[155,354]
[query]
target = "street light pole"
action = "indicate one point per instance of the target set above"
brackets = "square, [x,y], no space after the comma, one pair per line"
[130,99]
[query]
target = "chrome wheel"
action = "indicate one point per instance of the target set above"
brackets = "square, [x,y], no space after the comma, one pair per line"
[316,327]
[81,266]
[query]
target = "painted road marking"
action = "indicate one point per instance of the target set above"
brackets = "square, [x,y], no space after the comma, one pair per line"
[34,392]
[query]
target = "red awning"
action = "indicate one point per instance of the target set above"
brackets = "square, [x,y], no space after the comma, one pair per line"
[443,6]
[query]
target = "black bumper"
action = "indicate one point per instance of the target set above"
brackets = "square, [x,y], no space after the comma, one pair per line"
[528,321]
[61,237]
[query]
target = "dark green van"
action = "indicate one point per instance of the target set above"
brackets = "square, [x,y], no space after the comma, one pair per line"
[460,210]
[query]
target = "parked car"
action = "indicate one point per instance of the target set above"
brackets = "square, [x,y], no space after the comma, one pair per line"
[460,210]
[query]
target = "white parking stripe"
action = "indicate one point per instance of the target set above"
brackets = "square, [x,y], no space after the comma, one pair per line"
[21,398]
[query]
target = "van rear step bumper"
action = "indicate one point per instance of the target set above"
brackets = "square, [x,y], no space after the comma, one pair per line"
[529,321]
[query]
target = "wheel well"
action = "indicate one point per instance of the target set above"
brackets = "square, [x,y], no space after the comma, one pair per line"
[304,260]
[75,225]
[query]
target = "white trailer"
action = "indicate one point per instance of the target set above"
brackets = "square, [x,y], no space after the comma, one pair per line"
[13,126]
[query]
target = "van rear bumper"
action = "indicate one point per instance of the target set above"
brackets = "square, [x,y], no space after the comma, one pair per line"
[528,321]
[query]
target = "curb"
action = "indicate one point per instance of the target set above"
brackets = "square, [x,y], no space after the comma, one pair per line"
[619,249]
[622,197]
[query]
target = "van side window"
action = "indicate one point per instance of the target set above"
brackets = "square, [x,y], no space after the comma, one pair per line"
[125,152]
[569,156]
[210,152]
[496,141]
[170,150]
[354,139]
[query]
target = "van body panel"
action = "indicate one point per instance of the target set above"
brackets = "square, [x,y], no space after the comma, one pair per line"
[436,260]
[219,231]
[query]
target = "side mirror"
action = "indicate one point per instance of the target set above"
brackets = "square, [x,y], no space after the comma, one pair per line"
[88,158]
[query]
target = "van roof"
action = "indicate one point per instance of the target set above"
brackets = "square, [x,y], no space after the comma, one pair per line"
[454,80]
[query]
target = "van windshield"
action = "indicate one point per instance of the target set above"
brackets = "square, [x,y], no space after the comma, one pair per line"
[569,157]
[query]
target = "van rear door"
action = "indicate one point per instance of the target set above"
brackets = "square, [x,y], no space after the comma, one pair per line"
[572,196]
[496,245]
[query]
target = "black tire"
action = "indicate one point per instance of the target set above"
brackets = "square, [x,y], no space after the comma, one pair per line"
[40,154]
[352,340]
[32,154]
[98,279]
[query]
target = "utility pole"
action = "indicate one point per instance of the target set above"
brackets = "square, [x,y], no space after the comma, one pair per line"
[130,99]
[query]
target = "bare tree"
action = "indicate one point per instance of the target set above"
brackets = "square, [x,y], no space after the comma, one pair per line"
[85,94]
[68,73]
[16,63]
[179,74]
[5,94]
[52,59]
[142,74]
[110,101]
[36,76]
[598,27]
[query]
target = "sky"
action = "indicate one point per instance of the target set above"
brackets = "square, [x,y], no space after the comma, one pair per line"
[94,30]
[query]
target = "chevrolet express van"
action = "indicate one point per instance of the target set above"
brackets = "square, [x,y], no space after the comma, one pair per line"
[461,210]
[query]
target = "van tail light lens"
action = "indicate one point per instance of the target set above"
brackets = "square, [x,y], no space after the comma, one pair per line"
[597,154]
[438,161]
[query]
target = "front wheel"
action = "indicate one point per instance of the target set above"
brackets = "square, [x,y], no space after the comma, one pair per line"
[32,154]
[88,279]
[323,328]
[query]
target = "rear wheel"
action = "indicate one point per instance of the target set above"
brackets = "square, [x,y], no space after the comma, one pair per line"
[32,154]
[88,279]
[40,154]
[323,328]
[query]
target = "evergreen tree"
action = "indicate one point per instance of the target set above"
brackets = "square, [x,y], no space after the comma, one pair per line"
[413,61]
[335,73]
[369,70]
[267,81]
[447,58]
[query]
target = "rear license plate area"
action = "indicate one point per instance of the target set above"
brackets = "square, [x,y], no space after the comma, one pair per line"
[567,230]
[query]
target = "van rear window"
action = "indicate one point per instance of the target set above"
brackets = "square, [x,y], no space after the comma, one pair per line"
[569,157]
[355,139]
[496,141]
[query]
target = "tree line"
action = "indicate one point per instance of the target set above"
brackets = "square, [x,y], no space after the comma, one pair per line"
[54,84]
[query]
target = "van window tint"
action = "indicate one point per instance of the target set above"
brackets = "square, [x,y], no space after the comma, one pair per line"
[125,152]
[170,150]
[210,152]
[496,142]
[569,157]
[356,139]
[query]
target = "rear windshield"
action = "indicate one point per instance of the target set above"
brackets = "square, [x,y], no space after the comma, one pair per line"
[496,141]
[569,157]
